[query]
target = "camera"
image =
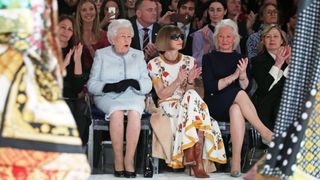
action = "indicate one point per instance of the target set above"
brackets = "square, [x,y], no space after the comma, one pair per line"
[184,18]
[112,11]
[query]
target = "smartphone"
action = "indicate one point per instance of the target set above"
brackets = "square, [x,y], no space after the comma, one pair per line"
[112,11]
[180,18]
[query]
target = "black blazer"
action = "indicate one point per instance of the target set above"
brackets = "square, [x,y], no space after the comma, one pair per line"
[135,40]
[266,102]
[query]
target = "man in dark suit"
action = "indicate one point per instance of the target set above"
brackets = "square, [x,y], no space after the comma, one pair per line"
[145,28]
[187,7]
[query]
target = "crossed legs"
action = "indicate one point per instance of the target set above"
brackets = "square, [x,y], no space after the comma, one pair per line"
[132,137]
[243,109]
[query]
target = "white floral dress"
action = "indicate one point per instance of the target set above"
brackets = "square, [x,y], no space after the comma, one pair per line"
[187,113]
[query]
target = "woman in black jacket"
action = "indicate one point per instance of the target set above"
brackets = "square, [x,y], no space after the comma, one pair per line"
[270,70]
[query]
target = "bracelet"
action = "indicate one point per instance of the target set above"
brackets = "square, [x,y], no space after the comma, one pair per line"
[242,79]
[189,83]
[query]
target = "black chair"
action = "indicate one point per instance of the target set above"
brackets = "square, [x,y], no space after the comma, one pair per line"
[100,123]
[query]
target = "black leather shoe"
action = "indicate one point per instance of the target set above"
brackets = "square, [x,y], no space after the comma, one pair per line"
[128,174]
[119,173]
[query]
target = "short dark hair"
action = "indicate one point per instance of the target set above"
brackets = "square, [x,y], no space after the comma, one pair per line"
[182,2]
[222,2]
[138,3]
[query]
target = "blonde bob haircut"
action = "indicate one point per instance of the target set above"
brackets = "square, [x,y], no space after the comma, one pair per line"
[163,38]
[261,46]
[226,23]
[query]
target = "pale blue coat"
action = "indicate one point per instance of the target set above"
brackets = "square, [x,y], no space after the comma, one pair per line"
[110,67]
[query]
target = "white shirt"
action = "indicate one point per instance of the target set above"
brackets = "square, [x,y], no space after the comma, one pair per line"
[186,30]
[277,73]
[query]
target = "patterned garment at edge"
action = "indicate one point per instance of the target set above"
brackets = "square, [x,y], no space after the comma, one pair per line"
[38,135]
[295,150]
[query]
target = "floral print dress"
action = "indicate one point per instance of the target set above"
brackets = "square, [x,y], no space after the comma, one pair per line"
[187,113]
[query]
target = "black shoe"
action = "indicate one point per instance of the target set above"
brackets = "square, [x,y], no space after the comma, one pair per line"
[235,174]
[119,173]
[128,174]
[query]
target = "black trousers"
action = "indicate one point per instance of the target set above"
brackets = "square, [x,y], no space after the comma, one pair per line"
[81,114]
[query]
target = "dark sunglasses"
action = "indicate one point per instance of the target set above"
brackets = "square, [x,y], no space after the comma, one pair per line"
[176,37]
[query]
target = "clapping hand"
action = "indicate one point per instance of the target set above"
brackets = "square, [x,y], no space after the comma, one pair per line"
[288,54]
[150,51]
[77,53]
[242,66]
[182,76]
[194,73]
[66,60]
[282,55]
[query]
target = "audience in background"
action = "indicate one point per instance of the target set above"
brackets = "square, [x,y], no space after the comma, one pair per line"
[186,8]
[203,41]
[129,10]
[90,34]
[268,14]
[87,31]
[145,28]
[110,10]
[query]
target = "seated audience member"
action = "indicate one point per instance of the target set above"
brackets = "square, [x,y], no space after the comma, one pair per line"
[129,9]
[187,8]
[110,9]
[202,39]
[145,27]
[233,12]
[173,5]
[268,15]
[173,76]
[73,82]
[87,31]
[270,70]
[98,4]
[119,82]
[226,83]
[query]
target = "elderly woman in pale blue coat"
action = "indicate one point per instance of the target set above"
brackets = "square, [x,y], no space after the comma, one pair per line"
[119,82]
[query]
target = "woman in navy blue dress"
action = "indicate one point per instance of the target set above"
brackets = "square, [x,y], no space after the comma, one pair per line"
[226,83]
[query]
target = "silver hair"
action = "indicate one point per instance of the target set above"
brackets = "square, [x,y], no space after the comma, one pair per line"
[114,27]
[225,23]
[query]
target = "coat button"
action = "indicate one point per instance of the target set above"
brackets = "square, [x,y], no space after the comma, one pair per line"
[211,94]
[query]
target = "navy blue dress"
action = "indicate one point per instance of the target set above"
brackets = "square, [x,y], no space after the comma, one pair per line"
[217,65]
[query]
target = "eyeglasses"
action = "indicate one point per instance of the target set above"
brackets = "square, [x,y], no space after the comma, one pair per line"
[176,37]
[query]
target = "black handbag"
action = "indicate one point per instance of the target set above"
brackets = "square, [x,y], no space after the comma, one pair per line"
[148,166]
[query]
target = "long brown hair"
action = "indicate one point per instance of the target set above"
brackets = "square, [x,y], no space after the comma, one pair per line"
[78,30]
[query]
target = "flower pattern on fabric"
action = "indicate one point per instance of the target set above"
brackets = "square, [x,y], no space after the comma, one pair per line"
[187,113]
